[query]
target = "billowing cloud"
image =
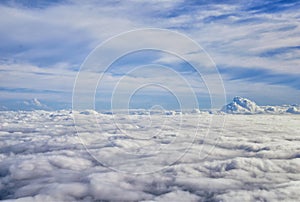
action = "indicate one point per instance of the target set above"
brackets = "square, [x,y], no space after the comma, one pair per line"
[42,157]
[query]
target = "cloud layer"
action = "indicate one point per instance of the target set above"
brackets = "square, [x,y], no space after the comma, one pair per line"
[42,158]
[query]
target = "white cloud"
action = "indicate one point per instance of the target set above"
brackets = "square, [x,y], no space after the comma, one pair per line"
[36,80]
[42,158]
[67,32]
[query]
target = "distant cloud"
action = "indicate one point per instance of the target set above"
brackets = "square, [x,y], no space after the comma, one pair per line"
[55,37]
[262,76]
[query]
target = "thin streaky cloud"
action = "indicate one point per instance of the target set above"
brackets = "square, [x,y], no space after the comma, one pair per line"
[54,37]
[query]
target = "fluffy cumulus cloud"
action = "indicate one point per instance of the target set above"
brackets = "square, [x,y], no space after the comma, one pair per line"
[253,43]
[44,159]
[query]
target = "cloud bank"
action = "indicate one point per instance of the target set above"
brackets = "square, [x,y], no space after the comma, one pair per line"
[42,158]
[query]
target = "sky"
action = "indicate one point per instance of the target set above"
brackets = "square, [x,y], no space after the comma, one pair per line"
[255,46]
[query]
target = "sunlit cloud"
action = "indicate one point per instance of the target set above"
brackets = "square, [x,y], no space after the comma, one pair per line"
[44,44]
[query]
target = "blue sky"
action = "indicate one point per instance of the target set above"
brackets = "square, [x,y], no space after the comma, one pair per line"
[254,44]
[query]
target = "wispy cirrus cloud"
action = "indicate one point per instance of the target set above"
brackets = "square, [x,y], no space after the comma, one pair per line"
[252,42]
